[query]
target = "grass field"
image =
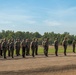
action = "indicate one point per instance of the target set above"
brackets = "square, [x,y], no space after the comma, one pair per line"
[52,50]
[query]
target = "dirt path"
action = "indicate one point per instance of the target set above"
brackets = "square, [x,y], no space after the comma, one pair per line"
[40,65]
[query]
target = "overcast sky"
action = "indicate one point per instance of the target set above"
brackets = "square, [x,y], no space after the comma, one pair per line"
[38,15]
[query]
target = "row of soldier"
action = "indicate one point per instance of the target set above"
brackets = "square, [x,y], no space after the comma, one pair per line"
[10,46]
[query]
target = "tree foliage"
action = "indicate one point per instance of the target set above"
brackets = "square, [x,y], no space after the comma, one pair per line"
[30,35]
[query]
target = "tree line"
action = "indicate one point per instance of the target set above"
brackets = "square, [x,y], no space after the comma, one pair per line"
[30,35]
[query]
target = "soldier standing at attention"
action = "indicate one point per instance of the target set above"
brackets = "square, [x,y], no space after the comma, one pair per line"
[46,46]
[1,47]
[12,47]
[65,45]
[17,45]
[33,47]
[36,47]
[27,47]
[8,47]
[23,45]
[73,44]
[56,46]
[4,47]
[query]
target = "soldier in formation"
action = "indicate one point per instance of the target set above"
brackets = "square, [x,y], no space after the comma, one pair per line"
[4,47]
[8,47]
[17,46]
[56,46]
[23,45]
[11,48]
[36,46]
[73,44]
[1,47]
[65,45]
[46,46]
[33,47]
[27,47]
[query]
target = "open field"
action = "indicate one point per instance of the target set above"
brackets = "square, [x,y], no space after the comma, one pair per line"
[52,50]
[40,65]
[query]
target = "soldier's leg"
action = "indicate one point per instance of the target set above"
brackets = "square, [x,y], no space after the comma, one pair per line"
[26,51]
[12,52]
[22,51]
[65,51]
[55,50]
[73,49]
[1,52]
[36,51]
[33,52]
[19,50]
[47,51]
[4,53]
[56,53]
[16,52]
[9,53]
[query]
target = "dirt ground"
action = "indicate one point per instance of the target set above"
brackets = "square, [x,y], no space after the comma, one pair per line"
[40,65]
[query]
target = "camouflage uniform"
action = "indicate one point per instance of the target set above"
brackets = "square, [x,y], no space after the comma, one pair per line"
[73,44]
[17,45]
[11,46]
[46,46]
[0,48]
[33,47]
[36,47]
[1,52]
[56,46]
[4,47]
[23,45]
[27,47]
[8,47]
[65,45]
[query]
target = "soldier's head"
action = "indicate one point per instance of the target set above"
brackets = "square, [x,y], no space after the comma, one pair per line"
[4,39]
[26,40]
[9,40]
[33,39]
[65,38]
[16,39]
[12,40]
[36,39]
[56,38]
[47,39]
